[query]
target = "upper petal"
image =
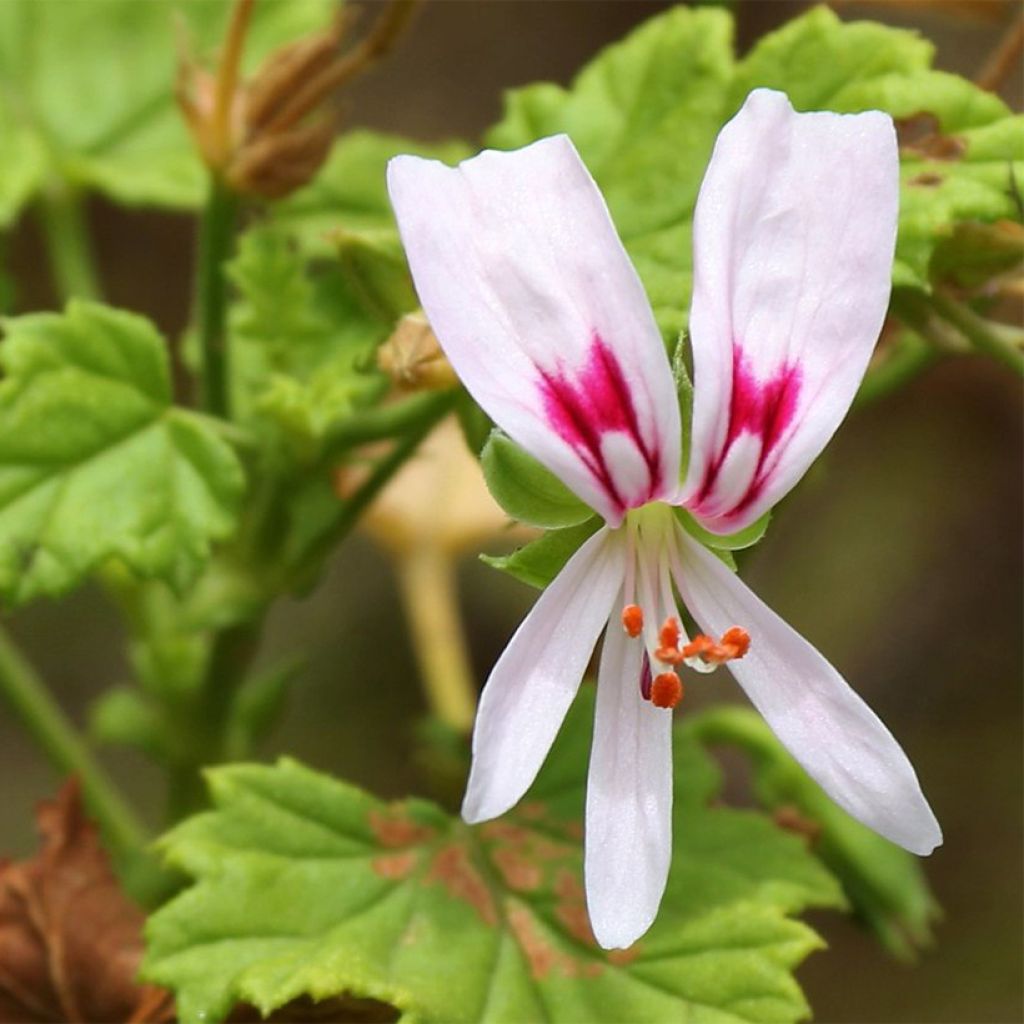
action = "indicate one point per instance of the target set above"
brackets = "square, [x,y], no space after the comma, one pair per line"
[839,740]
[531,294]
[628,841]
[794,233]
[537,676]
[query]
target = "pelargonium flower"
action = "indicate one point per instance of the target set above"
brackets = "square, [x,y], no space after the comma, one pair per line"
[538,308]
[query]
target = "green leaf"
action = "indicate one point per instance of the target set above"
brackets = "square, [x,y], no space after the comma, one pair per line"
[308,886]
[540,561]
[525,489]
[885,885]
[302,338]
[348,199]
[89,89]
[645,112]
[826,64]
[95,461]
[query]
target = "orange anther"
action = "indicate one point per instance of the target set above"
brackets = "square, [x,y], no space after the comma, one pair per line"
[698,646]
[734,644]
[737,640]
[670,633]
[669,655]
[666,690]
[633,619]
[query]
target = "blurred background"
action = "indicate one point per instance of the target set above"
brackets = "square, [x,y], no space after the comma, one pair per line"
[899,557]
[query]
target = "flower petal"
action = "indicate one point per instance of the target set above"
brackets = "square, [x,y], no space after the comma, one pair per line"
[794,232]
[533,683]
[838,739]
[536,304]
[628,844]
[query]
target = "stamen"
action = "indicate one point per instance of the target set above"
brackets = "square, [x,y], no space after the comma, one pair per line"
[666,690]
[669,655]
[734,644]
[669,636]
[670,633]
[738,639]
[633,620]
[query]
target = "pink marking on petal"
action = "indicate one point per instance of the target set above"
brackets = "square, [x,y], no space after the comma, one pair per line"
[762,408]
[596,402]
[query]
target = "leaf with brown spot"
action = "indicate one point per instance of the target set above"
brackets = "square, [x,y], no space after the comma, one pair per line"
[306,886]
[70,940]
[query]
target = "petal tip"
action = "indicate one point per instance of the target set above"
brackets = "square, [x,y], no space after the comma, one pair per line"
[618,930]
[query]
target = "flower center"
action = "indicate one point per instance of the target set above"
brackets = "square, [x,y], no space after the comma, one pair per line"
[649,598]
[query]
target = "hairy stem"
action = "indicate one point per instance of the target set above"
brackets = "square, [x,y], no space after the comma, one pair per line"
[62,218]
[426,577]
[50,728]
[216,238]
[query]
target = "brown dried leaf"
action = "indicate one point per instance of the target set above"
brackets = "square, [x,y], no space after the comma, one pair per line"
[70,940]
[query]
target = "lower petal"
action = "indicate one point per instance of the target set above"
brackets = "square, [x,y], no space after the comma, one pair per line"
[839,740]
[533,683]
[629,800]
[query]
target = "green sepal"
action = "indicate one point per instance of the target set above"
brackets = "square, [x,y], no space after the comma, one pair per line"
[540,561]
[526,490]
[745,538]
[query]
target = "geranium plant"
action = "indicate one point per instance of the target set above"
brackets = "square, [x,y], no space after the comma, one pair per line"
[637,308]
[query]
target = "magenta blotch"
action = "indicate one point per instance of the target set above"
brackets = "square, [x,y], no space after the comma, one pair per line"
[762,408]
[598,401]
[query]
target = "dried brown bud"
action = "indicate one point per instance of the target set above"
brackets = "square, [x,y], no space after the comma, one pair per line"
[270,135]
[413,359]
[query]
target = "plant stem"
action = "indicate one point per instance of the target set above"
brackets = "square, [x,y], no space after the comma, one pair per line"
[427,580]
[51,729]
[431,413]
[62,218]
[997,340]
[216,236]
[383,422]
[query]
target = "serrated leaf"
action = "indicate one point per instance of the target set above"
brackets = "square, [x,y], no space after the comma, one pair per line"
[302,339]
[525,489]
[645,112]
[306,885]
[540,561]
[91,88]
[96,462]
[886,885]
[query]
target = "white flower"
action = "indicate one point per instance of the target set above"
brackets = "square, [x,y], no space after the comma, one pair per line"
[538,308]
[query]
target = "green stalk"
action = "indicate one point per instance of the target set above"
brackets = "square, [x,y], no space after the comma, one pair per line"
[62,217]
[431,413]
[387,421]
[426,577]
[216,241]
[997,340]
[51,729]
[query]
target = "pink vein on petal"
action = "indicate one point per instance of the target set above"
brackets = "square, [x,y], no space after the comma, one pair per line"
[596,401]
[762,408]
